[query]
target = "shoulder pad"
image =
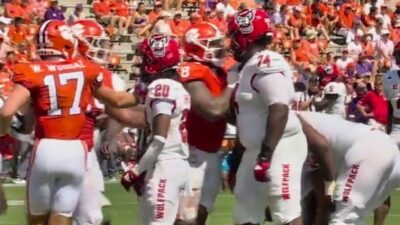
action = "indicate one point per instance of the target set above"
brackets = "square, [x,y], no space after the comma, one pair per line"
[190,71]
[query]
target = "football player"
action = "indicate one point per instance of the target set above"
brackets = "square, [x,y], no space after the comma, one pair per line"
[165,160]
[57,87]
[391,90]
[348,153]
[270,170]
[206,81]
[334,100]
[93,44]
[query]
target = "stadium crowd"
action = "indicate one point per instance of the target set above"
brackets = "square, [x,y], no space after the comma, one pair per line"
[337,50]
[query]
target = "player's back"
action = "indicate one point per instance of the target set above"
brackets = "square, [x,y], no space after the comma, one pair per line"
[391,89]
[58,94]
[340,133]
[203,134]
[252,107]
[170,91]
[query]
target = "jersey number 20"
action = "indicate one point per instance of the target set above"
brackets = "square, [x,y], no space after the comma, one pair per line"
[64,79]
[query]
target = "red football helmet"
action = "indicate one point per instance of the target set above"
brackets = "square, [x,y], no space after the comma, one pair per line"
[93,41]
[159,52]
[55,38]
[247,26]
[205,43]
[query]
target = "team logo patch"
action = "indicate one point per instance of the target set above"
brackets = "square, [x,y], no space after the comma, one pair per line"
[244,19]
[158,44]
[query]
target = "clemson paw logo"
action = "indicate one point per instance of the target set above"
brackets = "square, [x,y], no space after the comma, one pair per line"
[192,35]
[66,33]
[244,19]
[158,44]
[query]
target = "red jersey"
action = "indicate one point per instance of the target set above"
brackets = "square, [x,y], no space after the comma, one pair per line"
[203,134]
[94,109]
[58,94]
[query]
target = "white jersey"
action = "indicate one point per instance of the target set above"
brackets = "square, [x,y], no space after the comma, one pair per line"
[339,106]
[391,90]
[167,96]
[264,80]
[340,133]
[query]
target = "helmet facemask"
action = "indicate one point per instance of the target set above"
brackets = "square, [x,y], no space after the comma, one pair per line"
[214,50]
[98,49]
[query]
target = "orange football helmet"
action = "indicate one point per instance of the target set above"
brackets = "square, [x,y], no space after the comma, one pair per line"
[93,41]
[55,38]
[205,43]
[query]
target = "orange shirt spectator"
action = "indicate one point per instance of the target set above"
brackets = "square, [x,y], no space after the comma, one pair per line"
[293,2]
[13,9]
[39,7]
[153,15]
[317,5]
[17,32]
[220,22]
[120,8]
[195,19]
[347,17]
[311,46]
[296,20]
[368,46]
[101,8]
[178,25]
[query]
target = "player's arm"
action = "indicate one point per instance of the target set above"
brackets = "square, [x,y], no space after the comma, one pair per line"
[210,107]
[319,146]
[162,112]
[115,99]
[132,117]
[326,101]
[18,97]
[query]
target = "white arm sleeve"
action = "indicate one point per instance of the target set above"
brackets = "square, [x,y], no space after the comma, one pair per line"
[162,106]
[274,88]
[150,157]
[118,83]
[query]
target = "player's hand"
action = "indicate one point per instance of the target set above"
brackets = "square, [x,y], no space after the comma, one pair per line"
[261,169]
[105,151]
[131,178]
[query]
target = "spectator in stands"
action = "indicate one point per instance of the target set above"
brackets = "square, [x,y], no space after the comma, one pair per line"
[54,12]
[315,21]
[155,13]
[77,14]
[395,33]
[384,47]
[28,12]
[368,45]
[140,19]
[296,22]
[102,12]
[228,9]
[178,25]
[343,61]
[353,112]
[3,27]
[346,19]
[13,9]
[374,106]
[364,66]
[219,19]
[39,7]
[4,48]
[162,25]
[194,18]
[17,32]
[120,9]
[356,30]
[376,30]
[386,17]
[311,45]
[299,57]
[369,20]
[10,60]
[355,47]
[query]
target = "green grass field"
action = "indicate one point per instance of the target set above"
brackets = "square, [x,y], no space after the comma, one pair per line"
[124,209]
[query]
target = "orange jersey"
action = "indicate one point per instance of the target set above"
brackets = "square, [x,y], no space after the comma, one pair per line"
[93,110]
[58,94]
[202,134]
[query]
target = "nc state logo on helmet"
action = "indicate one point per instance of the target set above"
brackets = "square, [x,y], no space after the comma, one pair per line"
[55,38]
[247,26]
[93,41]
[157,44]
[159,52]
[204,42]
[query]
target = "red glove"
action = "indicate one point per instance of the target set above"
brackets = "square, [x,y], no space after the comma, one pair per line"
[260,170]
[131,179]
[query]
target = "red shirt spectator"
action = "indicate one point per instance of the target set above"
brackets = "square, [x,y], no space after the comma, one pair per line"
[375,104]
